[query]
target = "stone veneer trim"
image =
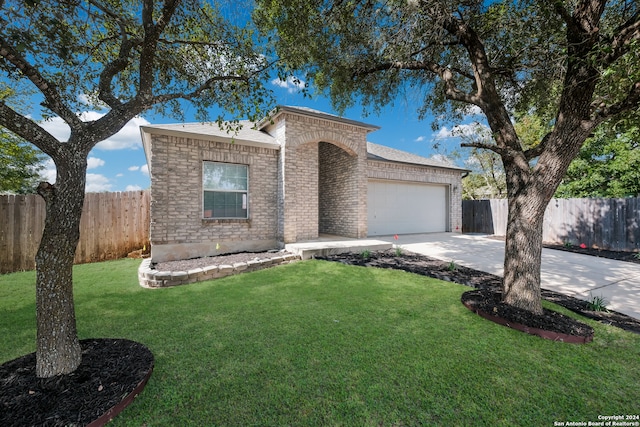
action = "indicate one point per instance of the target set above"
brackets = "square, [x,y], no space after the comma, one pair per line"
[154,279]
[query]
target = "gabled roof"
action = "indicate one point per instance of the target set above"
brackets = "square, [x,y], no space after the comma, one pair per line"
[247,135]
[387,154]
[305,111]
[251,134]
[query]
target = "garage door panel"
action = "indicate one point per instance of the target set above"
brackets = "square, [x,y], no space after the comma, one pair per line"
[404,208]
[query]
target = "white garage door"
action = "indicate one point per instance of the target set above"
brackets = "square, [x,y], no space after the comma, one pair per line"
[402,208]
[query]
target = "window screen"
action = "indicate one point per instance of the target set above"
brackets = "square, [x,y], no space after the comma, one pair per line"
[225,190]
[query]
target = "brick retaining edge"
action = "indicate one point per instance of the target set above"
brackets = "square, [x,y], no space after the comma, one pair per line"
[150,278]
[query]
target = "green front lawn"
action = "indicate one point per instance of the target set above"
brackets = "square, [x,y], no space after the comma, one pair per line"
[320,343]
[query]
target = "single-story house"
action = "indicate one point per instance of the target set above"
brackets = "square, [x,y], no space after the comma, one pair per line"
[296,175]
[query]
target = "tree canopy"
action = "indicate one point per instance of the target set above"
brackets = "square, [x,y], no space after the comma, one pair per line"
[20,163]
[420,49]
[608,164]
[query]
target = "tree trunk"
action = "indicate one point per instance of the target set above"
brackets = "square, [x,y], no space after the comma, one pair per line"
[523,255]
[57,347]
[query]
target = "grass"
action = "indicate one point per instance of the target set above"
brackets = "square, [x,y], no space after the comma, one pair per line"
[319,343]
[597,303]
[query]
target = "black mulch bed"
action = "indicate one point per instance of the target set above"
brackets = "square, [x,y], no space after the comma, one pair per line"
[602,253]
[563,328]
[430,267]
[110,370]
[625,256]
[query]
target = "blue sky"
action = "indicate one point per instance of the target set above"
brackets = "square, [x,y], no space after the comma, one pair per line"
[119,164]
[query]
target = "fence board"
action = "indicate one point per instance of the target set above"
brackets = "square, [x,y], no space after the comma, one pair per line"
[111,226]
[6,233]
[603,223]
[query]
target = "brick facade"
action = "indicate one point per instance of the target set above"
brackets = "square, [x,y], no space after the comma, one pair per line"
[178,230]
[303,166]
[338,192]
[308,174]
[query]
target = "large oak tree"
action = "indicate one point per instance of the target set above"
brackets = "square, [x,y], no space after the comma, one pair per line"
[124,57]
[575,61]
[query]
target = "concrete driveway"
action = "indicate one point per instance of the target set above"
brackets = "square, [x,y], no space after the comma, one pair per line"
[581,276]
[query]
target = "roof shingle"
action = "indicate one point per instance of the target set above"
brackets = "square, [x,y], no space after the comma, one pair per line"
[383,153]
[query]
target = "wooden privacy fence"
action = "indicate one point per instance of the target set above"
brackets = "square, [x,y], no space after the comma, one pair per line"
[603,223]
[112,225]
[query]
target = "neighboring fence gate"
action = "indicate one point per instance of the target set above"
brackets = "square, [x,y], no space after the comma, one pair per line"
[604,223]
[112,225]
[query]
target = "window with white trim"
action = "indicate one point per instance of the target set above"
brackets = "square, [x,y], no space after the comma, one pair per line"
[225,187]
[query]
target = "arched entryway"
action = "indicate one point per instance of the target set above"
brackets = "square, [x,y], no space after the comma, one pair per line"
[322,176]
[338,191]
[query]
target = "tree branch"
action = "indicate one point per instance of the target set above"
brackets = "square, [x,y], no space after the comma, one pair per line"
[492,147]
[566,16]
[452,92]
[53,100]
[47,191]
[536,151]
[28,130]
[621,42]
[105,91]
[199,90]
[101,128]
[152,32]
[631,101]
[486,95]
[587,13]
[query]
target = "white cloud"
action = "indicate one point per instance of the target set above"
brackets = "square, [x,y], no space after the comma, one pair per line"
[94,162]
[443,133]
[473,110]
[132,188]
[419,139]
[91,101]
[144,169]
[127,138]
[84,98]
[119,175]
[48,173]
[97,183]
[292,84]
[57,127]
[469,130]
[472,161]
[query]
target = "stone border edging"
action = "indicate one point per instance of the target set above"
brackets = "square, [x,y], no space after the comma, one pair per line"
[150,278]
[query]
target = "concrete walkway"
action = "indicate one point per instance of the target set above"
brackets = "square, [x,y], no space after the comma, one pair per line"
[581,276]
